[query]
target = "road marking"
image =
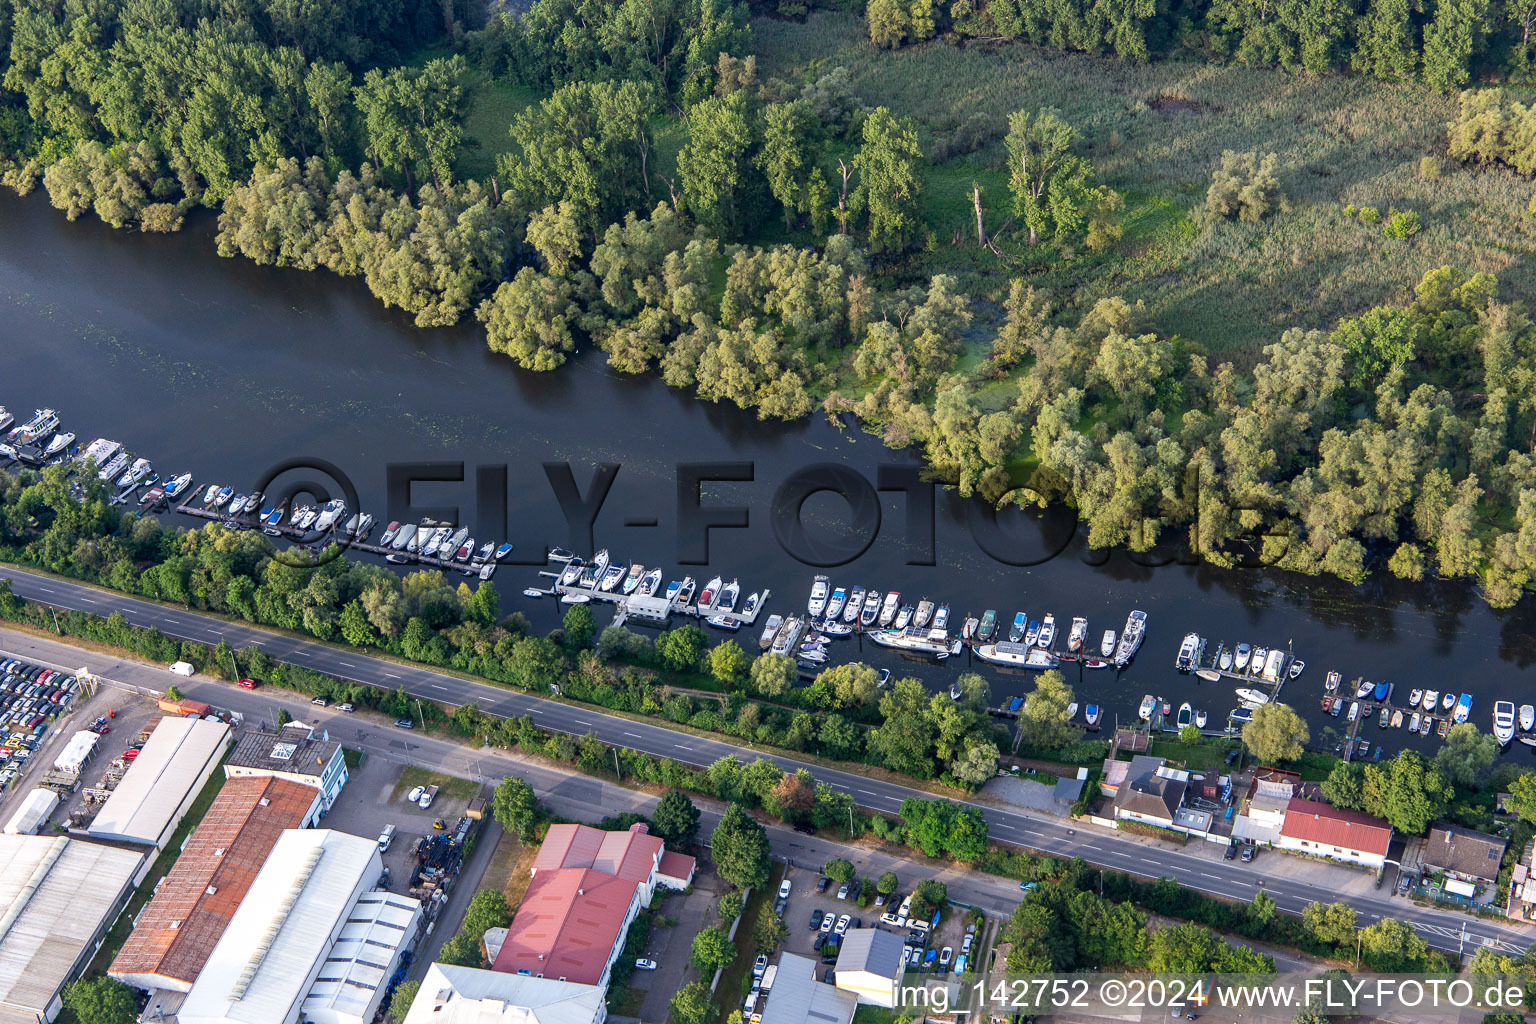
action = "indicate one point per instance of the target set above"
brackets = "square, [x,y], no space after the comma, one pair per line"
[634,734]
[437,686]
[867,792]
[1207,874]
[347,663]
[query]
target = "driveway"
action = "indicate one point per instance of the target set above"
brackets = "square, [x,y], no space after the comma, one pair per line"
[670,947]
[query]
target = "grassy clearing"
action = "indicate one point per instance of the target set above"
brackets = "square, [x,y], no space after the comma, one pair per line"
[1208,755]
[492,106]
[447,785]
[1234,287]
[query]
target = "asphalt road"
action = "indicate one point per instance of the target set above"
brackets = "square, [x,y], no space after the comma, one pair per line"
[1294,884]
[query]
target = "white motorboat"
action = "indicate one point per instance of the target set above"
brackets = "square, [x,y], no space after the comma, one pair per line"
[726,602]
[403,537]
[1186,715]
[968,628]
[43,423]
[820,587]
[789,635]
[1019,629]
[932,642]
[487,550]
[831,628]
[812,657]
[1354,710]
[575,597]
[465,550]
[1185,660]
[1047,631]
[924,614]
[58,444]
[633,577]
[6,417]
[1413,722]
[114,467]
[611,577]
[1017,654]
[1148,708]
[533,592]
[941,617]
[1431,699]
[600,561]
[889,608]
[208,495]
[1200,719]
[1077,634]
[854,605]
[1253,698]
[710,592]
[140,469]
[487,570]
[836,602]
[1107,643]
[1224,662]
[502,551]
[903,617]
[673,588]
[236,504]
[1130,638]
[871,610]
[1331,684]
[571,572]
[753,600]
[1365,688]
[1210,675]
[1256,663]
[724,621]
[1415,697]
[1447,702]
[1297,668]
[649,583]
[177,485]
[770,630]
[1240,660]
[1527,717]
[1091,715]
[685,592]
[332,511]
[1463,709]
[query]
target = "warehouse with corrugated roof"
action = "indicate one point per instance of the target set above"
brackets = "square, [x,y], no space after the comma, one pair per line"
[58,897]
[193,904]
[272,953]
[156,792]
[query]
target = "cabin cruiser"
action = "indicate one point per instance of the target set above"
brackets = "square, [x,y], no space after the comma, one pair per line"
[1365,689]
[1415,697]
[6,417]
[464,550]
[924,614]
[1210,675]
[1017,655]
[986,629]
[1186,715]
[854,605]
[1186,656]
[941,617]
[711,591]
[1200,719]
[788,634]
[1240,715]
[753,600]
[1333,680]
[728,594]
[649,583]
[1463,708]
[1448,701]
[633,577]
[1224,659]
[726,622]
[818,600]
[114,467]
[685,592]
[1047,635]
[271,520]
[1354,711]
[404,537]
[1091,715]
[836,601]
[600,561]
[1019,628]
[1240,661]
[1256,664]
[1130,638]
[1077,634]
[673,588]
[1527,717]
[1148,708]
[770,630]
[138,471]
[1107,644]
[1431,699]
[889,608]
[390,532]
[177,485]
[1248,695]
[903,616]
[871,610]
[502,552]
[42,423]
[58,444]
[236,505]
[831,628]
[611,577]
[571,572]
[933,642]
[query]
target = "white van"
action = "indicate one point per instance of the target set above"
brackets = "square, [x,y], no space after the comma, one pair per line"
[182,668]
[386,837]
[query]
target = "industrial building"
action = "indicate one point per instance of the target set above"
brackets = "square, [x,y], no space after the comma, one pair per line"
[291,923]
[294,753]
[32,813]
[193,904]
[156,792]
[58,897]
[467,995]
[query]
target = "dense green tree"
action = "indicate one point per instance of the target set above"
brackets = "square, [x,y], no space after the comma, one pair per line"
[739,847]
[1276,734]
[101,1000]
[516,807]
[715,168]
[675,820]
[415,117]
[791,141]
[1043,721]
[1466,755]
[889,182]
[712,950]
[1051,186]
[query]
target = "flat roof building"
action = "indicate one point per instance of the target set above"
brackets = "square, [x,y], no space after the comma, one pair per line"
[869,965]
[467,995]
[159,787]
[351,984]
[58,896]
[192,906]
[294,753]
[264,967]
[798,998]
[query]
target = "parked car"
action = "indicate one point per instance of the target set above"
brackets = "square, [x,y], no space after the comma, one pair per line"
[842,892]
[404,723]
[842,924]
[130,754]
[961,963]
[1230,853]
[1028,886]
[415,794]
[248,684]
[1248,854]
[779,907]
[965,943]
[827,923]
[759,965]
[879,899]
[822,883]
[816,916]
[320,702]
[946,955]
[645,965]
[805,829]
[345,708]
[784,889]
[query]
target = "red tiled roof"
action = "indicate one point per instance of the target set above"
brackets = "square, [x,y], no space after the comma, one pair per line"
[1325,825]
[676,865]
[189,912]
[568,924]
[629,855]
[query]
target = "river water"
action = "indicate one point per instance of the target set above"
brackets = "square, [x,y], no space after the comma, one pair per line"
[223,368]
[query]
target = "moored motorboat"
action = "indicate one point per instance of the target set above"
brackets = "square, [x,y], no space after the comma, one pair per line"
[1077,634]
[502,551]
[276,516]
[6,417]
[831,627]
[1017,655]
[1257,662]
[932,642]
[1527,717]
[1240,715]
[1200,719]
[533,592]
[1364,688]
[1415,697]
[903,617]
[986,628]
[770,630]
[1091,715]
[1426,724]
[854,605]
[1224,657]
[1147,709]
[575,597]
[633,577]
[1186,715]
[1095,663]
[1248,695]
[465,550]
[1184,661]
[1431,699]
[58,443]
[889,608]
[1397,718]
[753,600]
[924,614]
[1210,675]
[672,589]
[135,473]
[1107,643]
[1331,684]
[152,497]
[208,495]
[1448,701]
[1413,721]
[600,561]
[572,572]
[836,602]
[1047,631]
[724,621]
[1297,668]
[487,550]
[403,536]
[710,592]
[1032,631]
[1463,709]
[1240,659]
[1130,637]
[788,634]
[871,610]
[611,577]
[1382,690]
[820,588]
[1019,628]
[650,582]
[727,600]
[178,484]
[968,628]
[685,592]
[236,505]
[486,571]
[941,617]
[1354,710]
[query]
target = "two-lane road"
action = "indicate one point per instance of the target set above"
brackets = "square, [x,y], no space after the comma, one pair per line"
[1204,870]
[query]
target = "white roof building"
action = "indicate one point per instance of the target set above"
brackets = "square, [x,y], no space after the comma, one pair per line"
[34,810]
[351,985]
[163,781]
[798,998]
[869,965]
[58,896]
[78,751]
[467,995]
[276,944]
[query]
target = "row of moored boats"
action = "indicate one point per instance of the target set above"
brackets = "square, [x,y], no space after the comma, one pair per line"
[581,580]
[1426,709]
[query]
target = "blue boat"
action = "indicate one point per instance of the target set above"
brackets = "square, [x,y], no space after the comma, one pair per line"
[1091,714]
[1017,632]
[274,517]
[1241,715]
[1015,704]
[1463,709]
[1381,691]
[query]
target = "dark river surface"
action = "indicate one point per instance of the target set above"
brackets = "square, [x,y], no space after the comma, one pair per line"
[223,368]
